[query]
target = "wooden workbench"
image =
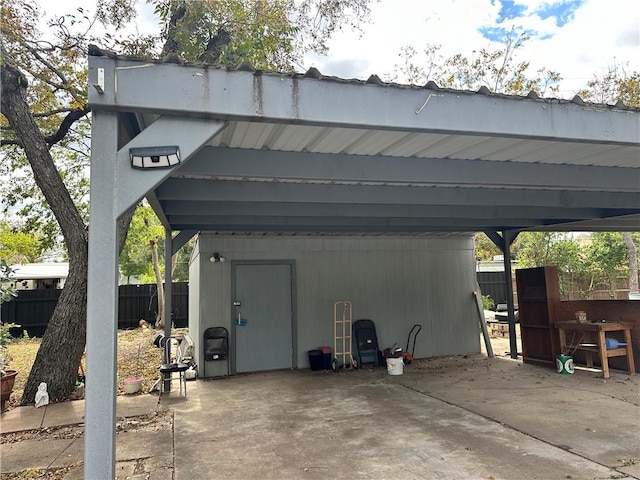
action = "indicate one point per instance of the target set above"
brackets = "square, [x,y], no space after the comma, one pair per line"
[591,340]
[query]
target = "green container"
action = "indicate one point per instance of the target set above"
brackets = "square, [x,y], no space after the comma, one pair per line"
[564,364]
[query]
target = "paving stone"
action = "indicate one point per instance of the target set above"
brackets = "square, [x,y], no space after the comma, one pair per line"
[64,413]
[34,453]
[21,418]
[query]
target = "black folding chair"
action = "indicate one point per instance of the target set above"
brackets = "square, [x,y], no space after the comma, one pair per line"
[216,346]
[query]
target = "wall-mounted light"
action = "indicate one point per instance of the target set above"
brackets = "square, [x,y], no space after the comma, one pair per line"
[154,157]
[216,258]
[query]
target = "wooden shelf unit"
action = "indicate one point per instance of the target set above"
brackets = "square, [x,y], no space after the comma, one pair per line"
[538,303]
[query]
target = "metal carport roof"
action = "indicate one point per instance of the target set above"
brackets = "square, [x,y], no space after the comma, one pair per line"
[303,154]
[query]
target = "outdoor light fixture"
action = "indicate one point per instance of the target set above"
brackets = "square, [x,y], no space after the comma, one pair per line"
[154,157]
[216,258]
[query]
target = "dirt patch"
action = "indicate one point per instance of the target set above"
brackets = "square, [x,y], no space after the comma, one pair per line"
[154,421]
[137,356]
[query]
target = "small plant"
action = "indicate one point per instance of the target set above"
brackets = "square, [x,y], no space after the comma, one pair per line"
[7,292]
[487,302]
[5,339]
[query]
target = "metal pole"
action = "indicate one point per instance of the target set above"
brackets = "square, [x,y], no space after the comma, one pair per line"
[102,303]
[168,249]
[506,252]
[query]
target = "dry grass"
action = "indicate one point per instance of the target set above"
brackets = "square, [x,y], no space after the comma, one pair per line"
[137,356]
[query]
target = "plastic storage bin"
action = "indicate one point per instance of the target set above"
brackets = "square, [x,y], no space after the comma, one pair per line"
[315,359]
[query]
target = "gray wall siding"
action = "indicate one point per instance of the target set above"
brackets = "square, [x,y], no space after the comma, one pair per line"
[395,282]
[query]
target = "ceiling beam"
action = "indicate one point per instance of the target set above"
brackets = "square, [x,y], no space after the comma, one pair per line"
[187,207]
[182,189]
[210,93]
[218,162]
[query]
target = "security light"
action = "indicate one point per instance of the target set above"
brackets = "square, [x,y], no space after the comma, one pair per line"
[216,257]
[154,157]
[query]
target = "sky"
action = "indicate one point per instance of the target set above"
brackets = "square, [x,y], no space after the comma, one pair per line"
[577,38]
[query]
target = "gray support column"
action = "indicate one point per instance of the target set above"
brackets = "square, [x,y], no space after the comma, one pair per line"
[508,238]
[167,298]
[102,307]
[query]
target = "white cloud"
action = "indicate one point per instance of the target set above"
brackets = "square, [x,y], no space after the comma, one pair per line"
[599,34]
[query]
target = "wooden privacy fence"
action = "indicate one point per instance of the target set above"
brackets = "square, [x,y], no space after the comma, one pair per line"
[492,284]
[32,309]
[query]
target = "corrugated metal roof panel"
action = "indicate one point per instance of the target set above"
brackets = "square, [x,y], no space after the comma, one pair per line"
[355,141]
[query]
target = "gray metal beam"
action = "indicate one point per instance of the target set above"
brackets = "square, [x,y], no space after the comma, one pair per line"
[168,292]
[188,134]
[186,207]
[335,228]
[180,239]
[508,240]
[157,208]
[182,189]
[212,162]
[470,222]
[626,223]
[102,303]
[218,93]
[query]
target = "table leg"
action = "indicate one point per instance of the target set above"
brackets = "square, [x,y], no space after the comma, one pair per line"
[627,339]
[604,360]
[563,340]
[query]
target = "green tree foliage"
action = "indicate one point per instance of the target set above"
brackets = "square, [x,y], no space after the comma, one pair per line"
[17,246]
[616,84]
[269,34]
[497,69]
[607,259]
[135,257]
[485,248]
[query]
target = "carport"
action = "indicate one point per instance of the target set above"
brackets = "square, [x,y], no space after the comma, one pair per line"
[262,153]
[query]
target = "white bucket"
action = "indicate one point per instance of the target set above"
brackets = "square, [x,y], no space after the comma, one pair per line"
[132,385]
[395,366]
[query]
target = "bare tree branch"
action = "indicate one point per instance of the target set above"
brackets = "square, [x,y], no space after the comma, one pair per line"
[73,116]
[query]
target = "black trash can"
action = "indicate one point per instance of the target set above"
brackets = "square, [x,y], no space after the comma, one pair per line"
[315,359]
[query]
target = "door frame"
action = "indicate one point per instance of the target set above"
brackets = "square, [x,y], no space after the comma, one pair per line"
[294,303]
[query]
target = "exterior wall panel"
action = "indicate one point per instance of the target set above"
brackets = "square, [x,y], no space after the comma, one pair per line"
[396,282]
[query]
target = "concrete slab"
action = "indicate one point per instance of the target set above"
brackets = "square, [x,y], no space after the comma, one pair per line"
[40,453]
[580,412]
[133,405]
[72,455]
[64,413]
[463,418]
[362,424]
[21,418]
[143,444]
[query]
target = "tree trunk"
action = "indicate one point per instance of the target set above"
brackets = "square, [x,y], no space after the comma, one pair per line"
[156,269]
[63,343]
[632,253]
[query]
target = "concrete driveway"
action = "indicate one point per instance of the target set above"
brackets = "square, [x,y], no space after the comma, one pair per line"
[447,418]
